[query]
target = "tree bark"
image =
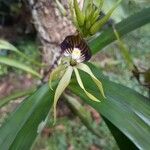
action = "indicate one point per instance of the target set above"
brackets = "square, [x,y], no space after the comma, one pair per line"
[51,27]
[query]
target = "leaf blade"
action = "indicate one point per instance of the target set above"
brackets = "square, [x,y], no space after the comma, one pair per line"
[125,26]
[19,65]
[4,45]
[120,108]
[20,129]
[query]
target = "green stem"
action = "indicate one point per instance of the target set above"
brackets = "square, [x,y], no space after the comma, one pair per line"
[124,50]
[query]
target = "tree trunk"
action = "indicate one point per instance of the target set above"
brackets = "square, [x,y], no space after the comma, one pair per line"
[51,27]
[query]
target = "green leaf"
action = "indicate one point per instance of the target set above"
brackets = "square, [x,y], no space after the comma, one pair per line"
[19,65]
[21,127]
[72,13]
[127,25]
[122,140]
[123,107]
[15,95]
[4,45]
[98,3]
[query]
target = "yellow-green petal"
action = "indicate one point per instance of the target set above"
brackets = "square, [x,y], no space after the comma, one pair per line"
[64,82]
[82,86]
[86,69]
[98,25]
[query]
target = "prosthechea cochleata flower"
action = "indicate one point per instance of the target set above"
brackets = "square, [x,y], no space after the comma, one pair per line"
[75,52]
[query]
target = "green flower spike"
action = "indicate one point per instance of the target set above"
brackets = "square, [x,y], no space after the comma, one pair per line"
[100,23]
[61,8]
[87,20]
[75,52]
[79,14]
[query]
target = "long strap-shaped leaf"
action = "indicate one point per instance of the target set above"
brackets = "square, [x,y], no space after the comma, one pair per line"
[125,26]
[64,82]
[19,65]
[4,45]
[20,129]
[86,69]
[126,109]
[82,86]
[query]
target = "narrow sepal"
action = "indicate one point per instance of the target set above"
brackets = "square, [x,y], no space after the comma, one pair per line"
[82,86]
[64,82]
[86,69]
[55,74]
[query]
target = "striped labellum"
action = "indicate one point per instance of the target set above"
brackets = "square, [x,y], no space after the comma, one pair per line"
[75,48]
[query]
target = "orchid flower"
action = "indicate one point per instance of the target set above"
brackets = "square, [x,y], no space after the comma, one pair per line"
[75,52]
[75,49]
